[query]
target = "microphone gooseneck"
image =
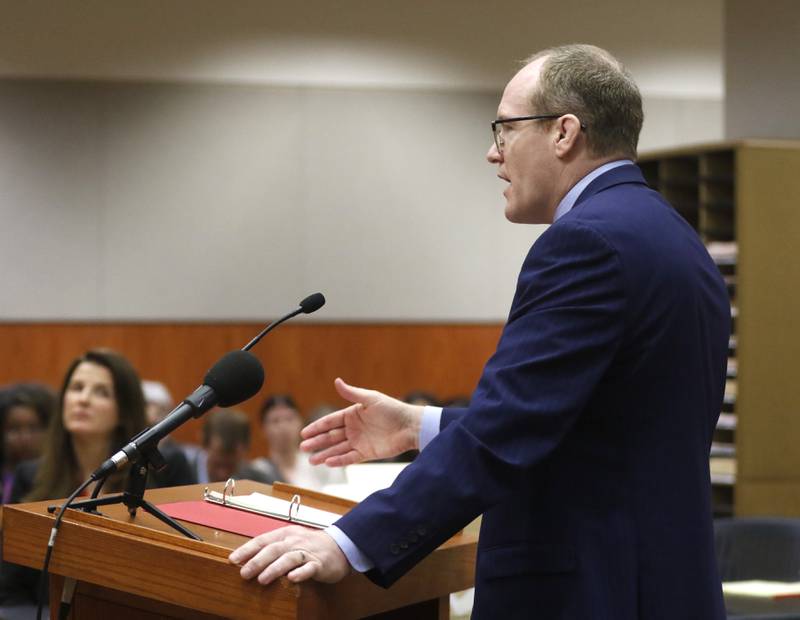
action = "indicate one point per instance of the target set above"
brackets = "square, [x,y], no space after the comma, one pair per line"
[237,376]
[310,304]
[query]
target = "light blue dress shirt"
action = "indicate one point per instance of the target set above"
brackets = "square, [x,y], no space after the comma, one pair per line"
[432,416]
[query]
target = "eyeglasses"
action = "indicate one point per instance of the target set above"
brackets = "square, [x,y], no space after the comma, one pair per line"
[497,126]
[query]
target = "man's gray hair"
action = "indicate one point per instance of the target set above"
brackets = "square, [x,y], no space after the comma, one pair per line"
[590,83]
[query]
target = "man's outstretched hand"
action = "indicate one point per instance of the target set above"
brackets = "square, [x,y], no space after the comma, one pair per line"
[376,426]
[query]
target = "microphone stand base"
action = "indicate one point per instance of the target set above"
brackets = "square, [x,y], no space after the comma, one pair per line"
[133,498]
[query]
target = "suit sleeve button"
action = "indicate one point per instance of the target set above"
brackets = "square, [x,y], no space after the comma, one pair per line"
[421,530]
[404,545]
[394,549]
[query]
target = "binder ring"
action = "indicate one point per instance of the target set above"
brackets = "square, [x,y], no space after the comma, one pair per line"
[229,483]
[295,505]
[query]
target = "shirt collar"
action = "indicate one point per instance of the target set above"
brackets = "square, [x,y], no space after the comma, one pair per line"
[568,201]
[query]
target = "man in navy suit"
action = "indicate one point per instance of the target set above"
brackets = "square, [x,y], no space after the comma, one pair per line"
[586,442]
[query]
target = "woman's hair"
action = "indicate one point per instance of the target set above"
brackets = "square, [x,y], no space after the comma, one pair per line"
[277,400]
[58,472]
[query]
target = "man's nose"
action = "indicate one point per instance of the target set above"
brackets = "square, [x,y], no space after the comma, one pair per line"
[493,156]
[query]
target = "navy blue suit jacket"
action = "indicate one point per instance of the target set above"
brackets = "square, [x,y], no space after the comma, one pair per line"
[586,442]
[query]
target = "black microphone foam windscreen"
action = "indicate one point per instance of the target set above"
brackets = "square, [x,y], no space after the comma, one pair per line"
[237,376]
[312,303]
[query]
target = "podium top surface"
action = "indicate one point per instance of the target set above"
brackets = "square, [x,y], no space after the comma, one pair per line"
[142,556]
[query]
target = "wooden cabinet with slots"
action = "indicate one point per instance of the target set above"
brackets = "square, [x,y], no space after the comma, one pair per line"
[743,198]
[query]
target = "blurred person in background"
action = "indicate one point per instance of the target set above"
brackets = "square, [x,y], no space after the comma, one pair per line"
[319,412]
[25,410]
[158,404]
[100,407]
[226,442]
[456,401]
[280,424]
[421,397]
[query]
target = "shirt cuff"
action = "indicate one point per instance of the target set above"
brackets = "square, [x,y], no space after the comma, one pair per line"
[354,556]
[431,423]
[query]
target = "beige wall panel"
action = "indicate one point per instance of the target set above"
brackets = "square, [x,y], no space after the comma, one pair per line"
[762,83]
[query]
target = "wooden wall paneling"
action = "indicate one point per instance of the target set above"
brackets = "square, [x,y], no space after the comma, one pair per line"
[767,498]
[302,359]
[768,399]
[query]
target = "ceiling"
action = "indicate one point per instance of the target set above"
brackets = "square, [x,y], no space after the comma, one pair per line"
[674,49]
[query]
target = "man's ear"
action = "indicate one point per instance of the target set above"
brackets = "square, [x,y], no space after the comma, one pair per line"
[569,132]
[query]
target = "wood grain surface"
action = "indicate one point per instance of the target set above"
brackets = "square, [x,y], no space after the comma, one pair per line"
[149,568]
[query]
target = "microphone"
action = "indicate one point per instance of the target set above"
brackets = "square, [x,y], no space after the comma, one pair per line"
[310,304]
[237,376]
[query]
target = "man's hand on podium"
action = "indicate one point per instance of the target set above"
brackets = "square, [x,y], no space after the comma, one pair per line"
[295,551]
[377,426]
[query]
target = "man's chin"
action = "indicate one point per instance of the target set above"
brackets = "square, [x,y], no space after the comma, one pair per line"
[517,215]
[511,213]
[514,215]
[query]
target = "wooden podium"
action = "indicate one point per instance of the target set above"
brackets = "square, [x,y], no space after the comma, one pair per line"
[137,568]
